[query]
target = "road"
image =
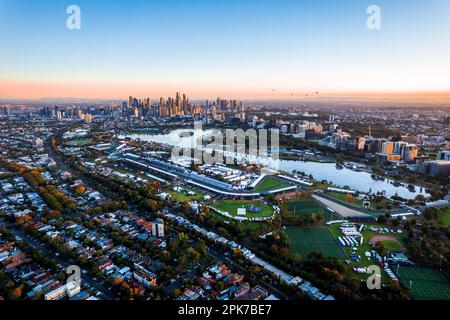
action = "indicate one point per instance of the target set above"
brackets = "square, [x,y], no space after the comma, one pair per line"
[342,210]
[220,256]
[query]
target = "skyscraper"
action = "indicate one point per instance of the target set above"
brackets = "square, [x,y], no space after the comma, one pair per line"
[178,104]
[185,105]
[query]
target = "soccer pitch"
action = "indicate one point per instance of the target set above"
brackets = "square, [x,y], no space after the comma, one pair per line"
[304,208]
[307,240]
[426,284]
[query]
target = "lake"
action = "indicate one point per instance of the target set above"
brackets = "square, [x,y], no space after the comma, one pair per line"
[356,180]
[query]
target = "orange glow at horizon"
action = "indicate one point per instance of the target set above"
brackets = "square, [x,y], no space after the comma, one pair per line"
[119,91]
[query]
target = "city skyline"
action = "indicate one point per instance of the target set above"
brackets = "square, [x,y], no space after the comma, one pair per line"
[252,50]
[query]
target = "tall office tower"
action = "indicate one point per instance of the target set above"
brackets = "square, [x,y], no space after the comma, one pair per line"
[224,105]
[161,107]
[241,107]
[360,143]
[399,146]
[130,102]
[124,106]
[447,120]
[169,106]
[178,104]
[387,147]
[146,110]
[88,118]
[185,105]
[233,105]
[410,152]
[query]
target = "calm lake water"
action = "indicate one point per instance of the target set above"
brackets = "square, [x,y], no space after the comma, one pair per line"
[361,181]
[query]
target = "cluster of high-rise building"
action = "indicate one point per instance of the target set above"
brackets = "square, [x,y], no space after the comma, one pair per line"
[440,167]
[219,110]
[300,128]
[177,106]
[62,113]
[383,149]
[399,150]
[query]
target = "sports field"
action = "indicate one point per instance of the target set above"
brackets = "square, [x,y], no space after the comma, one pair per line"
[427,284]
[183,196]
[305,208]
[270,183]
[232,206]
[444,218]
[306,240]
[79,142]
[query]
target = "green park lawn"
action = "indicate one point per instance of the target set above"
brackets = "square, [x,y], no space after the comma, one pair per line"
[232,206]
[444,218]
[306,240]
[305,207]
[270,183]
[79,142]
[343,197]
[182,196]
[392,245]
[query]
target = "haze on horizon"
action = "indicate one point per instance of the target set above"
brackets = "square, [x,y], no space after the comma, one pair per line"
[253,49]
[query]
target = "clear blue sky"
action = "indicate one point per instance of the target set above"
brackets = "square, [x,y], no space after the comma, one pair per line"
[227,45]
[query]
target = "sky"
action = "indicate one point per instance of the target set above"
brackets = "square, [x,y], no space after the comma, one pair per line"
[228,48]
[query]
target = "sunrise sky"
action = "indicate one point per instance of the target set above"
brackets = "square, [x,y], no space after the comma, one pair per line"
[228,48]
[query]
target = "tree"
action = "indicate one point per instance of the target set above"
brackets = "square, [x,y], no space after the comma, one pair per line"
[15,293]
[349,198]
[117,281]
[381,249]
[274,249]
[176,293]
[151,205]
[431,213]
[316,219]
[80,190]
[382,219]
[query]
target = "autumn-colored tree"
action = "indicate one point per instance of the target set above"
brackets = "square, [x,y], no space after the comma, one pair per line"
[53,214]
[23,219]
[205,210]
[117,281]
[15,293]
[176,293]
[349,198]
[151,204]
[274,249]
[80,190]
